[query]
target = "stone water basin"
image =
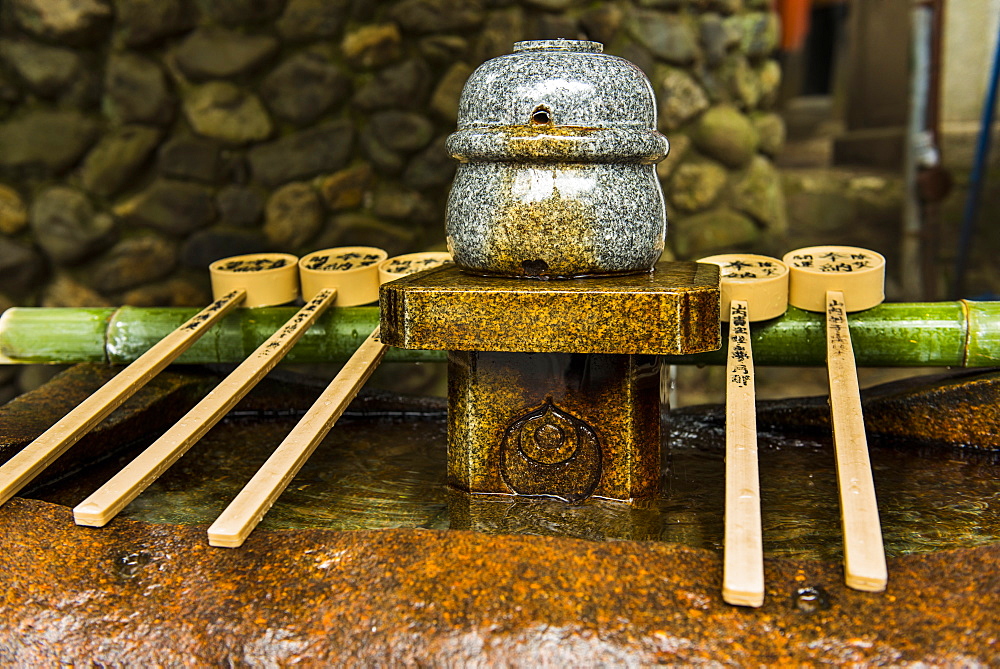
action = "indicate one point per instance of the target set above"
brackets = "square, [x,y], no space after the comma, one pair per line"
[368,556]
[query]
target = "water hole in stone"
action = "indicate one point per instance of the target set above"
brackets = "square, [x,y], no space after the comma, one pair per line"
[390,473]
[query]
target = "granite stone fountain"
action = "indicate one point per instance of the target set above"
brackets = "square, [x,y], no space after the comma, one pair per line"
[555,309]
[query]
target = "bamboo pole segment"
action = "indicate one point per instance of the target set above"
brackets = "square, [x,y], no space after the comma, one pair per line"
[905,334]
[333,339]
[68,335]
[265,282]
[342,284]
[755,288]
[243,514]
[836,280]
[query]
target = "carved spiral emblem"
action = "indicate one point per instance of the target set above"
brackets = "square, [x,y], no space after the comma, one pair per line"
[550,452]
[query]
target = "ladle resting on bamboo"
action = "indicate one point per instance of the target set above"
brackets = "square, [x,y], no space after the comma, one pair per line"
[754,288]
[836,280]
[98,509]
[243,514]
[254,281]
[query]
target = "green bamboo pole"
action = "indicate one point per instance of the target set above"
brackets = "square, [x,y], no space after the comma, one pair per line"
[901,334]
[54,335]
[119,336]
[984,329]
[334,337]
[951,334]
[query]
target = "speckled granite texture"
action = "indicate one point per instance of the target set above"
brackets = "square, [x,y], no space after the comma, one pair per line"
[672,310]
[578,84]
[557,145]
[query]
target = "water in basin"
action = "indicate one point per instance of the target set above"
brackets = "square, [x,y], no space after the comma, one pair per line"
[389,472]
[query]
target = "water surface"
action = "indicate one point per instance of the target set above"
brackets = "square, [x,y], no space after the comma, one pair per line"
[375,473]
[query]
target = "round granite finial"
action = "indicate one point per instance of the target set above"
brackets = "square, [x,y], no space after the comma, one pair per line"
[557,145]
[579,46]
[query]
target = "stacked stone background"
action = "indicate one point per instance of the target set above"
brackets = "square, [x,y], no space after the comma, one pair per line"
[142,139]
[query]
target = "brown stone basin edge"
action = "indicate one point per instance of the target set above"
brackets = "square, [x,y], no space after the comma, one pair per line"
[143,594]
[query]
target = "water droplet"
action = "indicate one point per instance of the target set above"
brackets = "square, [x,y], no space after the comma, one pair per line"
[130,564]
[810,599]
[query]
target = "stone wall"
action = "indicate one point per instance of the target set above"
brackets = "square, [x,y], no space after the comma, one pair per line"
[142,139]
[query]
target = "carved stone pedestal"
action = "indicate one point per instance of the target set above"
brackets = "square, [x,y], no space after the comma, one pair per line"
[569,425]
[553,385]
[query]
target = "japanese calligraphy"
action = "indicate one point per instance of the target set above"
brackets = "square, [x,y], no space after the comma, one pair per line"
[411,265]
[208,312]
[833,261]
[277,341]
[739,345]
[750,268]
[251,264]
[836,325]
[341,262]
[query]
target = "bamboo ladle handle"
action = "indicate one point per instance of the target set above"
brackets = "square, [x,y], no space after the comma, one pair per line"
[754,288]
[259,280]
[104,504]
[249,507]
[836,280]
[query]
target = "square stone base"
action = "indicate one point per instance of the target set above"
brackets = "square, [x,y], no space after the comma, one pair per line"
[567,425]
[672,310]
